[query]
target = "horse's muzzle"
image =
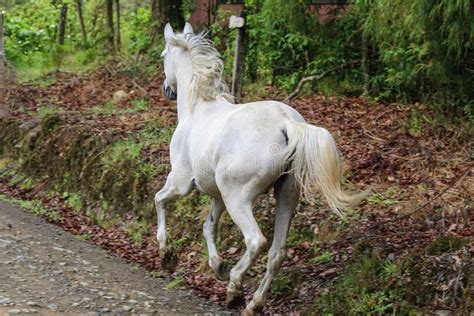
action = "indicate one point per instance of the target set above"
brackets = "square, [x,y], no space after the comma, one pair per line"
[168,92]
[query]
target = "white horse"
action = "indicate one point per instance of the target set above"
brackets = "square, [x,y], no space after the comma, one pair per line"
[234,153]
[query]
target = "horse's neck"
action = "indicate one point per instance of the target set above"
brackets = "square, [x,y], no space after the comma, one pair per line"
[201,108]
[183,77]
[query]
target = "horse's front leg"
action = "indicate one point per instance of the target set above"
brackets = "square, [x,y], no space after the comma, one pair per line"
[175,186]
[209,231]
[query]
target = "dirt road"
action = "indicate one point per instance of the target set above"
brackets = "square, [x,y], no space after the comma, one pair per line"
[47,271]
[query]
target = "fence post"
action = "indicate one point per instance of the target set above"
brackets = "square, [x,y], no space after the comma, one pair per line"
[239,55]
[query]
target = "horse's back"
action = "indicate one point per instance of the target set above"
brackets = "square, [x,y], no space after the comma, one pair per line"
[252,144]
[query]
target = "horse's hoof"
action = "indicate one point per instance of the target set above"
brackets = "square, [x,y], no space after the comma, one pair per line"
[168,260]
[235,299]
[252,310]
[248,312]
[222,271]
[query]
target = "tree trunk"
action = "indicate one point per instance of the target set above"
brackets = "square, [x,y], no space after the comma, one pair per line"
[62,24]
[365,64]
[167,11]
[4,110]
[109,8]
[118,41]
[81,22]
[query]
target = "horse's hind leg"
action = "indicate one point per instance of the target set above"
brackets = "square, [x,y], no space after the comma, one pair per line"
[209,232]
[239,206]
[286,194]
[174,187]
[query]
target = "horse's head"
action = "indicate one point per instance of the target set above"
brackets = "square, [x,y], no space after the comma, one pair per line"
[169,54]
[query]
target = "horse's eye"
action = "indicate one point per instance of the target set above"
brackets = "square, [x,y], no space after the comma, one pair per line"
[163,54]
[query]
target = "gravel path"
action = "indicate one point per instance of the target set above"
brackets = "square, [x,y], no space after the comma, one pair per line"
[47,271]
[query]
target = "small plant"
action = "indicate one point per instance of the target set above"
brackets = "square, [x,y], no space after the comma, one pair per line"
[177,283]
[385,199]
[325,257]
[178,242]
[74,201]
[372,304]
[390,270]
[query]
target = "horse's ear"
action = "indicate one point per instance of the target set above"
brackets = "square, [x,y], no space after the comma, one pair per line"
[168,32]
[188,28]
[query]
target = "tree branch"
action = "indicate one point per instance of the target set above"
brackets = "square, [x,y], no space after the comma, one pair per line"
[317,77]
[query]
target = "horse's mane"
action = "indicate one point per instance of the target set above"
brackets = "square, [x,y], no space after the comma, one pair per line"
[207,81]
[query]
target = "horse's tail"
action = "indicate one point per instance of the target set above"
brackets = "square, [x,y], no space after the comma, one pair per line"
[316,164]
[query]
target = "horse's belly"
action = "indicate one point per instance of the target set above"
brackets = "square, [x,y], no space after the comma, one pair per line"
[206,183]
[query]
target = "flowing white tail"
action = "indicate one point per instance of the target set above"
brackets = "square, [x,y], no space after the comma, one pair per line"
[316,163]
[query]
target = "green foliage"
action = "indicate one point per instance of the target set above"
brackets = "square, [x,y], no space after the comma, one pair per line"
[280,40]
[31,36]
[426,54]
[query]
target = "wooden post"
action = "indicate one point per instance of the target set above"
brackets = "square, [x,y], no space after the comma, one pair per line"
[239,55]
[62,25]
